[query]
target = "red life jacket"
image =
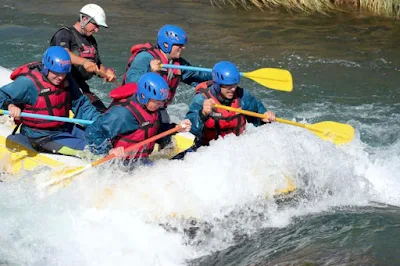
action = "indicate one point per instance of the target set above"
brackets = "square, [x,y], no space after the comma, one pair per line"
[52,100]
[221,122]
[148,127]
[172,76]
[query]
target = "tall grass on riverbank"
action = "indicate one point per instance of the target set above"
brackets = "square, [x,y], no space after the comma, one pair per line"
[387,8]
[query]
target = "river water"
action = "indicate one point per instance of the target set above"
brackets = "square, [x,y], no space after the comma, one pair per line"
[345,68]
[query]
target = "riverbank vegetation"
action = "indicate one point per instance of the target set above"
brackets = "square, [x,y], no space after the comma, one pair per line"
[386,8]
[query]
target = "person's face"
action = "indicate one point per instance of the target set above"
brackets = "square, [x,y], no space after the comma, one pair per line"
[91,27]
[56,78]
[154,105]
[228,91]
[176,51]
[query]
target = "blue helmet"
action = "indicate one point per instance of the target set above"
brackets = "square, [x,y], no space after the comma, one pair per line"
[56,59]
[152,86]
[225,73]
[171,35]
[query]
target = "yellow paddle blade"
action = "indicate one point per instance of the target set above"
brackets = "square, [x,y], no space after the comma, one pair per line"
[64,176]
[289,188]
[183,142]
[67,171]
[337,133]
[273,78]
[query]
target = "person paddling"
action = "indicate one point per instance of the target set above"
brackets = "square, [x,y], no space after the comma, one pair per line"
[171,43]
[209,123]
[47,88]
[133,120]
[81,45]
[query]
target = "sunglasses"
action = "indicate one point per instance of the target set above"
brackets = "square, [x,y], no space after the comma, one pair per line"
[94,23]
[228,87]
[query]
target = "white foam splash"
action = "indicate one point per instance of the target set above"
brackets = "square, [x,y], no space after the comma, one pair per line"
[113,217]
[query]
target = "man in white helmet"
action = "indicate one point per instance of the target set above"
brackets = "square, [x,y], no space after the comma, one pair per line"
[82,47]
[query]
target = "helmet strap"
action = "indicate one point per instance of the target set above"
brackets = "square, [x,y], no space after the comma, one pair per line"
[166,47]
[170,72]
[45,71]
[144,105]
[83,24]
[139,100]
[45,76]
[223,100]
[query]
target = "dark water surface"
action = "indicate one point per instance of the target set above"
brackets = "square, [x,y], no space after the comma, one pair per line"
[345,68]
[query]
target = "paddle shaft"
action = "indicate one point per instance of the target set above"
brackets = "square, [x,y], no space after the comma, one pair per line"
[201,69]
[140,144]
[74,172]
[272,78]
[254,114]
[52,118]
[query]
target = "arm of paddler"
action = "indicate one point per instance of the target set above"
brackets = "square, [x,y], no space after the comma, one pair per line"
[15,95]
[117,120]
[191,77]
[250,103]
[196,116]
[19,92]
[109,73]
[139,66]
[81,105]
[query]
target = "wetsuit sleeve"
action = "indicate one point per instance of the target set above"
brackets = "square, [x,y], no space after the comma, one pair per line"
[139,66]
[251,103]
[81,105]
[19,92]
[62,38]
[193,78]
[195,115]
[117,120]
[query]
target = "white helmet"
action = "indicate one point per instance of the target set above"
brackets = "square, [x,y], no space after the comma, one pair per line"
[94,12]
